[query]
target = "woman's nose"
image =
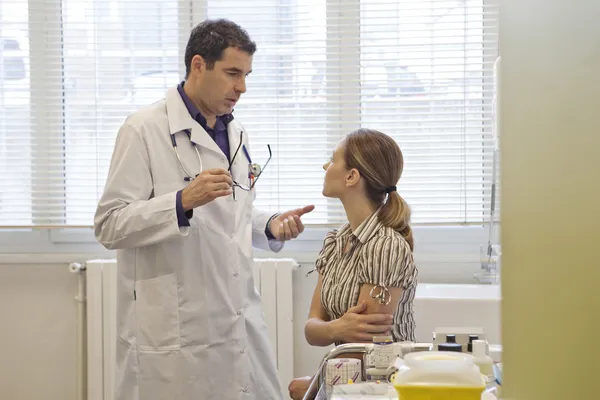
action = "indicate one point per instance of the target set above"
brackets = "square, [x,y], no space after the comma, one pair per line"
[325,166]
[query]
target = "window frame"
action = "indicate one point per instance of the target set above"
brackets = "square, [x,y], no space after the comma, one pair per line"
[430,239]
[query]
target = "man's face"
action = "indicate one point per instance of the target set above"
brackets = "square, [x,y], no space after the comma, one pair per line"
[220,88]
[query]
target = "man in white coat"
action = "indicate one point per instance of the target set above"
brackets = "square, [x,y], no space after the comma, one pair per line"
[178,207]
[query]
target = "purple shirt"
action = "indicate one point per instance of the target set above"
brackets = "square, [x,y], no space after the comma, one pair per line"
[219,132]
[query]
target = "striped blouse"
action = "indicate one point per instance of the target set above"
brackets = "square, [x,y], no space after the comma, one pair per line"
[377,255]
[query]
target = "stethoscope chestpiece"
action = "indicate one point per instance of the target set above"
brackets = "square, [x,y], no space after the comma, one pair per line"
[254,170]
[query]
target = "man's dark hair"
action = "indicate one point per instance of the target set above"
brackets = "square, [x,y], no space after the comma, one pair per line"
[211,37]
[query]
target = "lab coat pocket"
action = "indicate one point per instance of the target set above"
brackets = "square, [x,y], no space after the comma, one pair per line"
[157,313]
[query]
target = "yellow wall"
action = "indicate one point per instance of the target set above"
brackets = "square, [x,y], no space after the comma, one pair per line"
[550,145]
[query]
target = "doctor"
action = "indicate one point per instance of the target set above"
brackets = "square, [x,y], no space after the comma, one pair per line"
[178,207]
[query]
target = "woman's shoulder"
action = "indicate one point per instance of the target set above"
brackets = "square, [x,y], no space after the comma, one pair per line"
[388,260]
[331,236]
[329,240]
[389,239]
[327,250]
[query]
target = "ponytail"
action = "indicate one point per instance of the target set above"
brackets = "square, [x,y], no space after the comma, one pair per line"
[395,214]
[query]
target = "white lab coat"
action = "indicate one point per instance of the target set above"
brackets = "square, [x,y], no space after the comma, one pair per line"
[195,329]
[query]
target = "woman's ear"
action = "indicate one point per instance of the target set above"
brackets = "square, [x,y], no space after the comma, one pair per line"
[352,177]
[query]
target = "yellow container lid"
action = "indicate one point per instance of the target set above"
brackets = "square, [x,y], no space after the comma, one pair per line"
[438,375]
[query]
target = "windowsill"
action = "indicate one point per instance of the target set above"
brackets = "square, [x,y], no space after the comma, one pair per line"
[443,254]
[76,240]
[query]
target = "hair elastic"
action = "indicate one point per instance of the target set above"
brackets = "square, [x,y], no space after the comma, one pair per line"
[390,189]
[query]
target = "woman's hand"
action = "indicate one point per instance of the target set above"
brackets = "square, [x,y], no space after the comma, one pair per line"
[356,327]
[298,387]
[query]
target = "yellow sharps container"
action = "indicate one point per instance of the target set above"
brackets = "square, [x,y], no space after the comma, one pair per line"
[438,375]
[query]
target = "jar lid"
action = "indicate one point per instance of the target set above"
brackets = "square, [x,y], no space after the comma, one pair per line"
[439,360]
[438,368]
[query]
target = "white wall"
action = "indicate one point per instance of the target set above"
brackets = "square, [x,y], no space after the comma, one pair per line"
[38,307]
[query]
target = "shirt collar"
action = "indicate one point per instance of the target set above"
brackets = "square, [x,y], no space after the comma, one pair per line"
[365,231]
[222,120]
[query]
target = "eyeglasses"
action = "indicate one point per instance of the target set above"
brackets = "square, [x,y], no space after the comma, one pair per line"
[254,170]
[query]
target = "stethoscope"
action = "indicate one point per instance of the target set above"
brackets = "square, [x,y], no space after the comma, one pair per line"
[188,177]
[254,170]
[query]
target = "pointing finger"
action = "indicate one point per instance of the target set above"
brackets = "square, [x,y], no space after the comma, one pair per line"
[305,210]
[298,211]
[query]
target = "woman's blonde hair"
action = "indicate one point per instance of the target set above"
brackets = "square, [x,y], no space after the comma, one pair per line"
[378,159]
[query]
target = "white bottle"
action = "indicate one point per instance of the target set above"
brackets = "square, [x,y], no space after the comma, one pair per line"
[483,360]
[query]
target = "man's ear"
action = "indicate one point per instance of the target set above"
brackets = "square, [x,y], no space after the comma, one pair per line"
[198,63]
[352,177]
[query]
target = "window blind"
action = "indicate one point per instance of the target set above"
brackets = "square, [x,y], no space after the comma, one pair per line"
[420,71]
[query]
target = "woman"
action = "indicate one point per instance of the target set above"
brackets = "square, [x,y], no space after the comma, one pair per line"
[372,253]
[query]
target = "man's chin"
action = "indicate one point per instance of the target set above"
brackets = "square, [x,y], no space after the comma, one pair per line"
[225,110]
[229,106]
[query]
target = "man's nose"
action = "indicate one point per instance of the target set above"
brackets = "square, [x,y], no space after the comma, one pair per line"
[240,87]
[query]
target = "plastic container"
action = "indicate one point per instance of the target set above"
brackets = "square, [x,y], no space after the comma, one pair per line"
[470,345]
[450,344]
[438,375]
[483,360]
[380,358]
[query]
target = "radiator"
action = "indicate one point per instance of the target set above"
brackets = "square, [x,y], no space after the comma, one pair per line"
[274,282]
[101,310]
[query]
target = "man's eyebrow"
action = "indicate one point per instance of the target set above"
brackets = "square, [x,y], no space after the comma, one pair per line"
[237,70]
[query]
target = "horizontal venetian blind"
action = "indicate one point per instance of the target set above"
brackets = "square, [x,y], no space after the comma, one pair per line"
[427,80]
[420,71]
[15,119]
[87,65]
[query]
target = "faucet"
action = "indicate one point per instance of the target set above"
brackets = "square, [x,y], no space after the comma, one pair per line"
[333,353]
[490,265]
[490,253]
[401,349]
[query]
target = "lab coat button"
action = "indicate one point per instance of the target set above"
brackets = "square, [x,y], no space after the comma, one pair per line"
[241,351]
[239,313]
[245,390]
[235,274]
[223,160]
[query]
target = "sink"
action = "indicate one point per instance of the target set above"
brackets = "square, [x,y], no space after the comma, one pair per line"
[457,305]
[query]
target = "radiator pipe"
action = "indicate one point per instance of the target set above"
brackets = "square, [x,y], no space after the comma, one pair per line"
[79,269]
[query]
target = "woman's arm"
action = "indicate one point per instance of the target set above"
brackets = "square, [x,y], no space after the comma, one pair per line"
[356,326]
[373,306]
[318,329]
[387,267]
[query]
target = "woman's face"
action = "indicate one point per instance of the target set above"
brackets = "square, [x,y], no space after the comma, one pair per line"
[336,173]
